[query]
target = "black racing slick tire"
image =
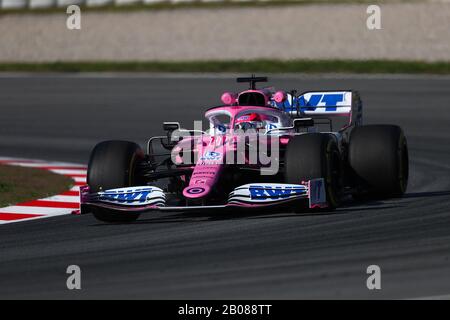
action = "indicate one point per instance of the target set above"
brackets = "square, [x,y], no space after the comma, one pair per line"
[113,165]
[378,154]
[314,155]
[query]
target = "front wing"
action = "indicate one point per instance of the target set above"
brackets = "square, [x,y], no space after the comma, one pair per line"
[148,198]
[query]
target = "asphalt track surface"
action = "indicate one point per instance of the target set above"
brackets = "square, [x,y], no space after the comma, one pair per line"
[210,256]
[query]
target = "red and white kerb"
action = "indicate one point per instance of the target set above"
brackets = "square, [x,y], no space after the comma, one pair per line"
[64,203]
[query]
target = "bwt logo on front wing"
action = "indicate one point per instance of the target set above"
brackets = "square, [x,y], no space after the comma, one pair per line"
[275,192]
[126,196]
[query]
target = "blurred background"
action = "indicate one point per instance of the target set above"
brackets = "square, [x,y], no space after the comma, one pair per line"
[184,30]
[55,3]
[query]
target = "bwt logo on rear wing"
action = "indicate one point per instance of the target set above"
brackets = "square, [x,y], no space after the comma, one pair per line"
[317,103]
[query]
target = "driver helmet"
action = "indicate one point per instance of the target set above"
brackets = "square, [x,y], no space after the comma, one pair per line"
[249,121]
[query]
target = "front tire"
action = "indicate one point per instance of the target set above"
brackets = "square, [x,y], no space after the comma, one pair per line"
[314,155]
[113,165]
[378,154]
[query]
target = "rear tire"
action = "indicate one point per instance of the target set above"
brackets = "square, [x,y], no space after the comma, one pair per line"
[112,165]
[378,154]
[311,156]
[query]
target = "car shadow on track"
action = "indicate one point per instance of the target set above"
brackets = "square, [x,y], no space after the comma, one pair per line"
[427,194]
[261,214]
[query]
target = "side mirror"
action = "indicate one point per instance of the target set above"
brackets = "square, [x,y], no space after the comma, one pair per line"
[303,123]
[171,126]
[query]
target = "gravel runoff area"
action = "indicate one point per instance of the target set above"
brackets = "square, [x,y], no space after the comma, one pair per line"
[414,31]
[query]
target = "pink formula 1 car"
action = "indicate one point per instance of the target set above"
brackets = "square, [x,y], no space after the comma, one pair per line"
[261,148]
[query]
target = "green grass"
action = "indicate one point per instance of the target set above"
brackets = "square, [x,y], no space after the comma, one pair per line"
[4,187]
[18,184]
[199,4]
[240,66]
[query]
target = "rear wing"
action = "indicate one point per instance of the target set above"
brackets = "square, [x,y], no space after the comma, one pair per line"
[325,105]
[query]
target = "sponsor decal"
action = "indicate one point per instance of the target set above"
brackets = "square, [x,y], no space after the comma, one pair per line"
[330,100]
[132,195]
[310,101]
[211,156]
[275,192]
[204,173]
[324,100]
[267,192]
[221,128]
[198,181]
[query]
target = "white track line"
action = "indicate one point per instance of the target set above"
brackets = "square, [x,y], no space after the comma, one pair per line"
[35,210]
[440,297]
[34,218]
[60,198]
[69,171]
[42,164]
